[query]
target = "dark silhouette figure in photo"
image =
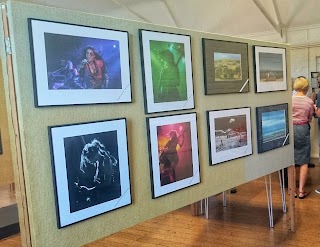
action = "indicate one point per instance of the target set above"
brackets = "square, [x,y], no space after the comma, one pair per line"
[98,176]
[169,158]
[169,78]
[66,77]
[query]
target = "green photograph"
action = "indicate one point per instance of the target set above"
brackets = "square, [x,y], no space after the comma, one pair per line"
[168,71]
[227,66]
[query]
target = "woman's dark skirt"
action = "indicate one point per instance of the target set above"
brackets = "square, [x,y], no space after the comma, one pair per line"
[302,146]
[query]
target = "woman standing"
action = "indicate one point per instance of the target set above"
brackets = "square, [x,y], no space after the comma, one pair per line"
[302,112]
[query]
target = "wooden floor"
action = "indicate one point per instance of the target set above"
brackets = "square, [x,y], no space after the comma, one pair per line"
[7,196]
[243,222]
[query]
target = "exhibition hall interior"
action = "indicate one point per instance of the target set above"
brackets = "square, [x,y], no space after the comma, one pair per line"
[159,123]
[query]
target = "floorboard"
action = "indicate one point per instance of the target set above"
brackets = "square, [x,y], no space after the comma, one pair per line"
[243,222]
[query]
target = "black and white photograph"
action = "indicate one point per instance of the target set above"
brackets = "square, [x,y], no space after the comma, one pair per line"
[270,69]
[79,65]
[229,134]
[93,166]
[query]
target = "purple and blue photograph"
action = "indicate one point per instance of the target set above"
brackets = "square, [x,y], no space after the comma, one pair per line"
[229,134]
[91,169]
[270,69]
[272,127]
[82,63]
[79,65]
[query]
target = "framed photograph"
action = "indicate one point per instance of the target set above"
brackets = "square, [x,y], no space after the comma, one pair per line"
[167,71]
[226,68]
[174,156]
[91,169]
[270,69]
[74,65]
[1,150]
[229,134]
[314,80]
[272,127]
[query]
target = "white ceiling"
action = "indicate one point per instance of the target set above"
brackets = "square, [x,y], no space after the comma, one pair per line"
[231,17]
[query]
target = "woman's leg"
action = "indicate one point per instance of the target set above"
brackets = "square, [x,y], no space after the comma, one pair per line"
[303,177]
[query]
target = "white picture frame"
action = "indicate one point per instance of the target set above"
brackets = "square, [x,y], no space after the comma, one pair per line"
[270,69]
[229,134]
[91,169]
[176,169]
[63,74]
[167,71]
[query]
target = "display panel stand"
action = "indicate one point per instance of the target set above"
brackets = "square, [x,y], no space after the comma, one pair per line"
[205,202]
[267,180]
[20,180]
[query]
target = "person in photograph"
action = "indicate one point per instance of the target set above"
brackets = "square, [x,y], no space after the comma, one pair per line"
[93,70]
[302,112]
[169,158]
[169,78]
[97,174]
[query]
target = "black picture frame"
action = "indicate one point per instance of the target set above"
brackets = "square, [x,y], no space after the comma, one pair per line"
[1,149]
[174,153]
[76,65]
[272,127]
[90,169]
[167,71]
[226,66]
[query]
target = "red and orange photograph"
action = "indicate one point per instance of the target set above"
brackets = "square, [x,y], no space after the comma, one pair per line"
[174,153]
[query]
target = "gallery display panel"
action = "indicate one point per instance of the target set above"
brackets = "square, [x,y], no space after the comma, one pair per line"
[214,179]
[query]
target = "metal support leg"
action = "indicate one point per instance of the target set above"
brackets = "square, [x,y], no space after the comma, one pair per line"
[282,189]
[206,207]
[224,198]
[269,199]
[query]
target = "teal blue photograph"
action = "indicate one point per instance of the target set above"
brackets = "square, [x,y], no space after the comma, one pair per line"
[272,127]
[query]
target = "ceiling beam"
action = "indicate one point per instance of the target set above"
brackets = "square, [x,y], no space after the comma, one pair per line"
[121,4]
[267,15]
[282,27]
[170,12]
[276,8]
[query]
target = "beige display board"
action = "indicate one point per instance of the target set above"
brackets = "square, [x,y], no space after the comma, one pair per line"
[6,169]
[33,123]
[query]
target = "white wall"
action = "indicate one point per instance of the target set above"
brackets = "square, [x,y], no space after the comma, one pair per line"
[305,47]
